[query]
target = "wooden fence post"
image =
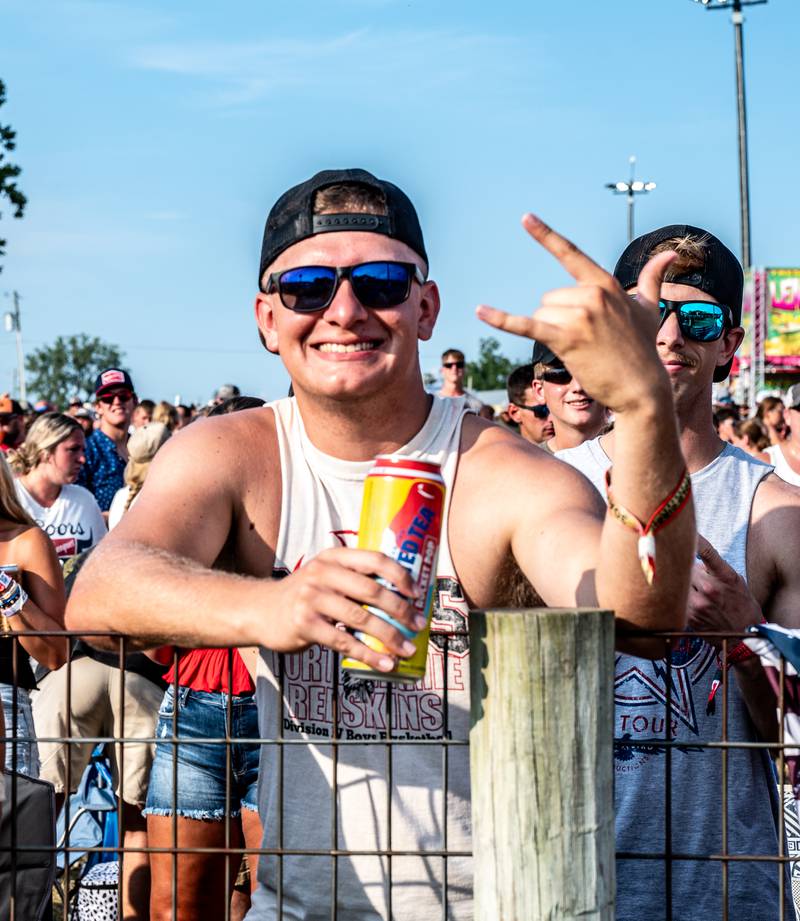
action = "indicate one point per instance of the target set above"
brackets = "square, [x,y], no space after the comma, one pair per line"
[541,756]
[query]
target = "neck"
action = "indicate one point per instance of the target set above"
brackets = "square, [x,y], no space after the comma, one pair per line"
[569,436]
[43,490]
[700,444]
[117,434]
[451,390]
[360,430]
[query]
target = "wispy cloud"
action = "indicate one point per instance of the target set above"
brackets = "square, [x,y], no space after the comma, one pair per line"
[238,73]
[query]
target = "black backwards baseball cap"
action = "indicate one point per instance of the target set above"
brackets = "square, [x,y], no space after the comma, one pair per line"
[292,216]
[544,355]
[112,378]
[721,275]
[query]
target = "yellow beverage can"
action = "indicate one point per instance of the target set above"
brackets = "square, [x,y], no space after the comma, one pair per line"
[401,516]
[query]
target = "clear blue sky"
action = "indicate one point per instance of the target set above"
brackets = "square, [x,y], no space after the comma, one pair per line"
[154,137]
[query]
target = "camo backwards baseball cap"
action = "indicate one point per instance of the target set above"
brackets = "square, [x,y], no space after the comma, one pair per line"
[721,275]
[292,216]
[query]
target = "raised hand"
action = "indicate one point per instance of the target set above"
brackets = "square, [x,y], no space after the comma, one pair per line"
[605,337]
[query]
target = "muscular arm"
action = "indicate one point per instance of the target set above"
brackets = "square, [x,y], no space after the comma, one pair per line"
[591,327]
[554,523]
[151,578]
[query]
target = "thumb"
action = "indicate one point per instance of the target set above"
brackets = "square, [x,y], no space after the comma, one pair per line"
[652,275]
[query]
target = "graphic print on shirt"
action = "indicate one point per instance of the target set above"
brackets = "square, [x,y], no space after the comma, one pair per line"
[416,708]
[640,695]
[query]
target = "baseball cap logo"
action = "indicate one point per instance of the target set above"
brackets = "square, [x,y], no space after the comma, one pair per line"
[112,377]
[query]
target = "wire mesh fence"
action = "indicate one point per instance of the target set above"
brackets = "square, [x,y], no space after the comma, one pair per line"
[18,853]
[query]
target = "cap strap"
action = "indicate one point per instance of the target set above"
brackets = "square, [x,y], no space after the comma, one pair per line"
[376,223]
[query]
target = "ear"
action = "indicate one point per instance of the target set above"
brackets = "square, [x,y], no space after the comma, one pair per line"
[428,310]
[265,318]
[538,391]
[514,412]
[730,342]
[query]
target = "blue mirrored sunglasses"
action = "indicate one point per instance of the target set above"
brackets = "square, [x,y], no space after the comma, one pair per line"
[698,320]
[376,285]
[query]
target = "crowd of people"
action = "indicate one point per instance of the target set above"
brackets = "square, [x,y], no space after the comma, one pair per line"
[193,535]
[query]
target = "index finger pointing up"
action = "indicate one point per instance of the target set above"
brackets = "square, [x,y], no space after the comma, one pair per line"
[583,269]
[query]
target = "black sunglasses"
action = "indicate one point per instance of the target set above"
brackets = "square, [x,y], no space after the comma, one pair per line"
[376,285]
[559,376]
[453,364]
[540,410]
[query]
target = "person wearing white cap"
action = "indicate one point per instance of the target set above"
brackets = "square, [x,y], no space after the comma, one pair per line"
[142,448]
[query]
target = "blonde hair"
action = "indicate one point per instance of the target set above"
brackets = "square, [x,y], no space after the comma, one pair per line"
[46,433]
[691,252]
[135,475]
[10,508]
[166,414]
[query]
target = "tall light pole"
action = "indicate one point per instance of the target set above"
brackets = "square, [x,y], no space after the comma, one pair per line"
[14,325]
[737,18]
[631,188]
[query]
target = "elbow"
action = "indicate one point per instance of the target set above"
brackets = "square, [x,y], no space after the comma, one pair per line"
[55,657]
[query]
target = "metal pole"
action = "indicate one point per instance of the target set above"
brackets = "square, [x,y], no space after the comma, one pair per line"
[20,354]
[744,190]
[630,216]
[631,198]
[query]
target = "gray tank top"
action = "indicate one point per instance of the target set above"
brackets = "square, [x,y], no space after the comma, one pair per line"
[723,496]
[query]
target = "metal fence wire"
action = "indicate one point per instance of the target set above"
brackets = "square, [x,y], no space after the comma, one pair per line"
[787,852]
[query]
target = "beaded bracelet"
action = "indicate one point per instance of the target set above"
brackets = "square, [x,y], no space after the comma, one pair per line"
[13,596]
[668,509]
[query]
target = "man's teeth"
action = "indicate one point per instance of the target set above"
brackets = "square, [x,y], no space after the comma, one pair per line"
[355,347]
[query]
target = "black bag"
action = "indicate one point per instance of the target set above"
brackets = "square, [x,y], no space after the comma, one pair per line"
[34,815]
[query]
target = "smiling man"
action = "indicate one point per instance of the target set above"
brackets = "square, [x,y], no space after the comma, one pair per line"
[575,416]
[344,299]
[106,447]
[750,524]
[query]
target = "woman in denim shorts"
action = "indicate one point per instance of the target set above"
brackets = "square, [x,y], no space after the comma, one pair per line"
[200,708]
[27,558]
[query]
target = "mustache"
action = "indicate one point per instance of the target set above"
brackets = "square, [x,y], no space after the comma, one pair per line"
[678,359]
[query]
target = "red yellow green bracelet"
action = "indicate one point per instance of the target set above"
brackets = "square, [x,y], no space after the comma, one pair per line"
[668,509]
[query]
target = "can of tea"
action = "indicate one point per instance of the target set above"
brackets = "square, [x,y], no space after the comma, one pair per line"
[401,516]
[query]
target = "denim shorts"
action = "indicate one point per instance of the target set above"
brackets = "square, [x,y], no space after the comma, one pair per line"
[201,784]
[27,761]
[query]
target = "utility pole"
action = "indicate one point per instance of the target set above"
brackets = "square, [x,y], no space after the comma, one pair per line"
[14,325]
[737,18]
[631,189]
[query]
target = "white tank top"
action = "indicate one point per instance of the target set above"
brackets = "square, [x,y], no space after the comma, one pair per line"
[782,468]
[320,508]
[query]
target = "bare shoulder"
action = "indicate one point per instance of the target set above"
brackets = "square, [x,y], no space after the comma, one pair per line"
[205,481]
[774,538]
[31,549]
[774,494]
[494,461]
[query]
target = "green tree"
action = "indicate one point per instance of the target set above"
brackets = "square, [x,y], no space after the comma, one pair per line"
[491,369]
[70,366]
[9,171]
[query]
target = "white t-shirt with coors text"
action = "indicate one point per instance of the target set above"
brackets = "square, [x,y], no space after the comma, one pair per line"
[73,522]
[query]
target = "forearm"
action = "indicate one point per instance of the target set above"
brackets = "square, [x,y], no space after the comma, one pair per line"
[50,651]
[759,697]
[157,598]
[648,465]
